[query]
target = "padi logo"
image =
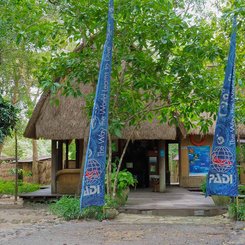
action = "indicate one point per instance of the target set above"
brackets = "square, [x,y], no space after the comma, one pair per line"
[91,190]
[220,178]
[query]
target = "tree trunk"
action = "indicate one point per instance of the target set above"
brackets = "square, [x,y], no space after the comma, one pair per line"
[35,172]
[1,148]
[118,168]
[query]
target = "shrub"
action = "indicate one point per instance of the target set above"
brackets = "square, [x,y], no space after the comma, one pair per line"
[203,186]
[69,209]
[241,189]
[8,187]
[237,212]
[125,180]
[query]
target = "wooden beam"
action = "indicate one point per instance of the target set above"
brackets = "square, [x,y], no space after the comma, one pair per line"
[54,166]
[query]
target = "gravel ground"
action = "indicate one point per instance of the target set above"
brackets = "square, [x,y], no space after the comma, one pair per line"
[33,224]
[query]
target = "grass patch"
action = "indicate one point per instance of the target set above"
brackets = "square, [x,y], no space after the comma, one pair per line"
[69,209]
[8,187]
[66,207]
[237,212]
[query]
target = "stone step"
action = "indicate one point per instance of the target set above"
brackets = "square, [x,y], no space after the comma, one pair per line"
[177,212]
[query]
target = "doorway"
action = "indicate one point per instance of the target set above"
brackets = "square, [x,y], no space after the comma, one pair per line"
[141,159]
[173,164]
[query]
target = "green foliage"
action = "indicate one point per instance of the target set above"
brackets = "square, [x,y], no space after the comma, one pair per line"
[25,147]
[8,118]
[111,203]
[241,189]
[93,212]
[125,180]
[204,186]
[8,187]
[69,209]
[240,153]
[237,212]
[21,172]
[72,150]
[165,49]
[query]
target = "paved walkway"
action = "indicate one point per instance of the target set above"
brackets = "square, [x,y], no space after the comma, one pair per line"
[175,201]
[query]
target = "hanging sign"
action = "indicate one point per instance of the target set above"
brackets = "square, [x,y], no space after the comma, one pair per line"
[93,184]
[222,177]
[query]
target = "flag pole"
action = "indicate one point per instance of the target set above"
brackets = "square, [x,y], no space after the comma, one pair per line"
[93,181]
[16,166]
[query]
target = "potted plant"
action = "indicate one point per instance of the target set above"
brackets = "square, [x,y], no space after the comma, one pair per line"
[125,181]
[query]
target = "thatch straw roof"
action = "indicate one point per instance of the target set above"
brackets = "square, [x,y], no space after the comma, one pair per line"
[68,120]
[150,130]
[240,129]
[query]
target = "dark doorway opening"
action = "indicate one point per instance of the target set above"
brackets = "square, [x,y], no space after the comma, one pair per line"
[137,162]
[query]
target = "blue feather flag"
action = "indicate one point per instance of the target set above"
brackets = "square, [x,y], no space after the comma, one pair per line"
[222,177]
[93,184]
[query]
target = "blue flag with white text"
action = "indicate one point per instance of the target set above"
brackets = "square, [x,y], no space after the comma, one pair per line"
[222,177]
[93,184]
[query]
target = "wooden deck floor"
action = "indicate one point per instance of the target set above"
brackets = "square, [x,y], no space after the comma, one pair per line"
[175,201]
[39,195]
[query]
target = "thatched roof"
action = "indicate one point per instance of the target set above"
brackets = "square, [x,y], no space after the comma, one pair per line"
[68,120]
[240,129]
[150,130]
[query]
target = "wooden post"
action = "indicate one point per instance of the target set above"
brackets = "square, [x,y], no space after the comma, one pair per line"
[67,154]
[79,153]
[162,165]
[167,165]
[54,166]
[60,155]
[35,168]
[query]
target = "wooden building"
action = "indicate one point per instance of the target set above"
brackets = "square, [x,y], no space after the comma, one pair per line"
[147,156]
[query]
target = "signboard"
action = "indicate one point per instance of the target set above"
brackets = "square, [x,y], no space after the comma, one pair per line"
[198,160]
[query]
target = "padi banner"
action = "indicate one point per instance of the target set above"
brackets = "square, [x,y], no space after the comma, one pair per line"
[93,184]
[222,177]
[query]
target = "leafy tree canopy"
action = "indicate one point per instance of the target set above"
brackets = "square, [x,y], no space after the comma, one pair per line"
[8,118]
[167,62]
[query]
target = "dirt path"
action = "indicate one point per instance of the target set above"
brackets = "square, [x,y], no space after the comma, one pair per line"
[23,221]
[33,224]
